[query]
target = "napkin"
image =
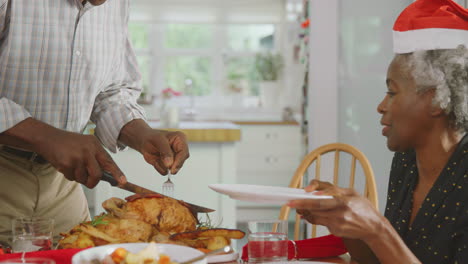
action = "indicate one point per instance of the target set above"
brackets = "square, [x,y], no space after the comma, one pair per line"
[60,256]
[319,247]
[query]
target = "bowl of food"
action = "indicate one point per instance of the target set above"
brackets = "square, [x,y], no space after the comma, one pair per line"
[136,253]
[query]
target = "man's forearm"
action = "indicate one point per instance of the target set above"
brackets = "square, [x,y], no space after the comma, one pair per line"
[132,133]
[26,134]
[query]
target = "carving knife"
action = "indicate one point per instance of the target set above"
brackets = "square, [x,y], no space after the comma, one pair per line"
[106,176]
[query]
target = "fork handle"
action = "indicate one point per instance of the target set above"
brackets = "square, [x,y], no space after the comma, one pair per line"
[106,176]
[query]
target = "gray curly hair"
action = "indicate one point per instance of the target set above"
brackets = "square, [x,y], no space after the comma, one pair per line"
[447,71]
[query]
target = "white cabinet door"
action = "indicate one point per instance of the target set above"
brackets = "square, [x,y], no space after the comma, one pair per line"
[267,155]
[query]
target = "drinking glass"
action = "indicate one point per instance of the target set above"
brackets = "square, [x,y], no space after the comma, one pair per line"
[268,241]
[32,234]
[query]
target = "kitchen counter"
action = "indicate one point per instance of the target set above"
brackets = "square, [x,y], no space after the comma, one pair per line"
[199,131]
[285,123]
[202,131]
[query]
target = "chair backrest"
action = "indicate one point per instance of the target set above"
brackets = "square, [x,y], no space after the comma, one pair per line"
[315,156]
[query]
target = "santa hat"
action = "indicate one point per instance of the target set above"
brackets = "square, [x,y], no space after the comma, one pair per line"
[430,25]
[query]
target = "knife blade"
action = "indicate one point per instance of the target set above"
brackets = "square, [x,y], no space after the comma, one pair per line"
[106,176]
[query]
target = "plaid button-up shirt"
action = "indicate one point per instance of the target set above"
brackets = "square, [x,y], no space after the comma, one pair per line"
[64,63]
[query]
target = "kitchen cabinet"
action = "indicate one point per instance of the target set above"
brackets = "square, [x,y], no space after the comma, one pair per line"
[212,160]
[268,154]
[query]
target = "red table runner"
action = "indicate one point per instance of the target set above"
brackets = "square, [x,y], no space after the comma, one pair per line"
[319,247]
[60,256]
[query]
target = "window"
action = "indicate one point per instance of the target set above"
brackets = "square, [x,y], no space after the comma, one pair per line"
[188,58]
[139,34]
[188,36]
[243,42]
[240,76]
[250,37]
[217,59]
[197,69]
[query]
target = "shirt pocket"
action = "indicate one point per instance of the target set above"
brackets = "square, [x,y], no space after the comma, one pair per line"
[106,54]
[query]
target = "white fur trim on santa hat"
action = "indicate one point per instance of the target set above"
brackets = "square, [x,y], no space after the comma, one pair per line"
[428,39]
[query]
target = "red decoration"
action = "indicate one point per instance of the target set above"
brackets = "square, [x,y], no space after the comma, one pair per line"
[168,92]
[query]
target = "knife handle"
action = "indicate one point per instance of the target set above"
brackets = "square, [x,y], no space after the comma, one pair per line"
[106,176]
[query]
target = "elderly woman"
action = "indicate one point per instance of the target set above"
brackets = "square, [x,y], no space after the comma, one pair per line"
[425,120]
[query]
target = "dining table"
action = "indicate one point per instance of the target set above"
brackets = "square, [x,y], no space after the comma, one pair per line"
[64,257]
[342,259]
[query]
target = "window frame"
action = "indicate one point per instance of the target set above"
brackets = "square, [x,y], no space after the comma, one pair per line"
[218,53]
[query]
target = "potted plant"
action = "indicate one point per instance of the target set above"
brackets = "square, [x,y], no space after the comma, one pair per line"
[268,67]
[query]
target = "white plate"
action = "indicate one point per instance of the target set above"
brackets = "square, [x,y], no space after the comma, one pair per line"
[176,252]
[223,257]
[264,194]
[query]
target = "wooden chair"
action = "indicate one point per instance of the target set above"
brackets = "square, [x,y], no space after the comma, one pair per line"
[370,189]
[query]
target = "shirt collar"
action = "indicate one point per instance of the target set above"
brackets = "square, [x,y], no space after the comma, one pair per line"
[79,3]
[86,6]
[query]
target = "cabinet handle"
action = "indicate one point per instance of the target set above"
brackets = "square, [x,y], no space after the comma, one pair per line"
[271,159]
[268,135]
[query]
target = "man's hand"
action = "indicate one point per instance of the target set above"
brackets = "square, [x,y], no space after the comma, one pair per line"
[79,157]
[164,150]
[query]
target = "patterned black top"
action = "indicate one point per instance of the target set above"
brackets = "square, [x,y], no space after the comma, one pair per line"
[439,232]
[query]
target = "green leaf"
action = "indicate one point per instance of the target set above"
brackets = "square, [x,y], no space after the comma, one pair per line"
[208,224]
[99,220]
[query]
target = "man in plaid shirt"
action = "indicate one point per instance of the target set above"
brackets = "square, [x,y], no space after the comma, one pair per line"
[63,63]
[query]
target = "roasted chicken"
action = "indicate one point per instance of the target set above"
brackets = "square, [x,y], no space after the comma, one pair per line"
[106,230]
[139,219]
[145,218]
[164,214]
